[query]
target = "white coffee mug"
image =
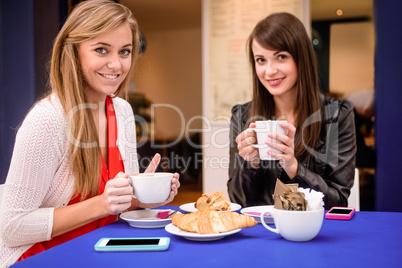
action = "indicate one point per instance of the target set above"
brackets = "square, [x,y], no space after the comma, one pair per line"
[296,225]
[262,128]
[151,187]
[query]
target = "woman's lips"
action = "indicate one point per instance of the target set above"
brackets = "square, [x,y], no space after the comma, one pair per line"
[275,82]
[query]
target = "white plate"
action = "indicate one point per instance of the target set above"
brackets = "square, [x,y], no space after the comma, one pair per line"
[256,211]
[173,229]
[190,207]
[147,218]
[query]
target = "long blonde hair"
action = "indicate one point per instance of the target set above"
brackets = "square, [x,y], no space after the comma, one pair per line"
[88,20]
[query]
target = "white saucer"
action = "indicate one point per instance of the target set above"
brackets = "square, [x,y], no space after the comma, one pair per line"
[190,207]
[256,211]
[147,218]
[173,229]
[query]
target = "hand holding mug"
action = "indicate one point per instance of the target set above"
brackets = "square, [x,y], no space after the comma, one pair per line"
[153,189]
[274,141]
[284,148]
[117,194]
[246,150]
[267,133]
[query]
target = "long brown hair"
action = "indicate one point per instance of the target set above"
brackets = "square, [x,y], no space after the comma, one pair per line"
[285,32]
[88,20]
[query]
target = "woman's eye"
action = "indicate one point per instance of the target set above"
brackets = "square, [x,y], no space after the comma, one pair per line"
[125,52]
[259,60]
[282,57]
[101,50]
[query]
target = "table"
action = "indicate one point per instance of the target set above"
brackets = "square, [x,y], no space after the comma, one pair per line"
[370,239]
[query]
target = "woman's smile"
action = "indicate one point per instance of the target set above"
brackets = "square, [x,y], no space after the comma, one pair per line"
[110,76]
[275,82]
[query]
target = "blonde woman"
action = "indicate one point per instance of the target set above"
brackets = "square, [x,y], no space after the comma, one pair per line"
[76,147]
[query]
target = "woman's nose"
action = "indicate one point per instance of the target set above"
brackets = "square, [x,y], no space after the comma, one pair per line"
[270,69]
[113,62]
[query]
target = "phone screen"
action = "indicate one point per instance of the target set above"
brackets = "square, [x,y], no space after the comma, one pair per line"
[340,211]
[132,242]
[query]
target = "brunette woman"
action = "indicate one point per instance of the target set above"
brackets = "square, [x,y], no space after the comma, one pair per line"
[318,150]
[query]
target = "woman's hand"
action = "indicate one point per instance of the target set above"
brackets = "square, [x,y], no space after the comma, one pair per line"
[248,152]
[287,158]
[117,195]
[154,164]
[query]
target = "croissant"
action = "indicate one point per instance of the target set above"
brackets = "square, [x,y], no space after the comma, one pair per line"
[209,221]
[214,200]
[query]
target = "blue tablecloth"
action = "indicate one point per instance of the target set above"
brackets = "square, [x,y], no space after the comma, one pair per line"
[370,239]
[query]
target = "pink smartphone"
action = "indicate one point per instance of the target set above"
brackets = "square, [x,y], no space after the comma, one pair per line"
[340,213]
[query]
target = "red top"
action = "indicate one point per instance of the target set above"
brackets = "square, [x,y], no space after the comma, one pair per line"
[115,166]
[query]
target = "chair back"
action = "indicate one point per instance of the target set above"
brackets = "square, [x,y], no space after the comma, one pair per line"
[354,197]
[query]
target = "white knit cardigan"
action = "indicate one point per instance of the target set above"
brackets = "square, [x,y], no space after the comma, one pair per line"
[38,180]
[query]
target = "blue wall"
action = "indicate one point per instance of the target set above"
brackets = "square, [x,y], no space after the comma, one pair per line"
[27,31]
[17,72]
[388,88]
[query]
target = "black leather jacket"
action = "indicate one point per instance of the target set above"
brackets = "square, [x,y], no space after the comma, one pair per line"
[331,171]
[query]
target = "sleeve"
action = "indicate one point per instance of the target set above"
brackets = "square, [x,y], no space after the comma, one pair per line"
[244,184]
[36,157]
[336,178]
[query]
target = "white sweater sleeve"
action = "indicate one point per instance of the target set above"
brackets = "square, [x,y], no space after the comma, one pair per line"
[26,216]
